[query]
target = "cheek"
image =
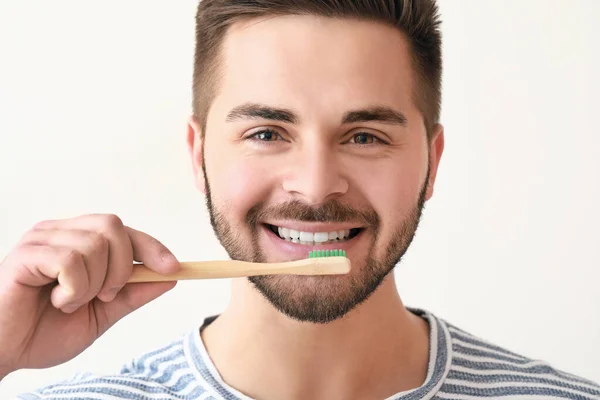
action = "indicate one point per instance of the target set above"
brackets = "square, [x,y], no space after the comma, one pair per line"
[241,184]
[392,188]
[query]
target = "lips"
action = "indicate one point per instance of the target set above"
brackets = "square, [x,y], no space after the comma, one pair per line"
[279,249]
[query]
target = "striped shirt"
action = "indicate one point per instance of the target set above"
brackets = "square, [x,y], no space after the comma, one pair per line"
[461,367]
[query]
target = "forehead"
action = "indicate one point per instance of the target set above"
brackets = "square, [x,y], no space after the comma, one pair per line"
[310,63]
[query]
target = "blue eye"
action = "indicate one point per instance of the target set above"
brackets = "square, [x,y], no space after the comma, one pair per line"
[364,138]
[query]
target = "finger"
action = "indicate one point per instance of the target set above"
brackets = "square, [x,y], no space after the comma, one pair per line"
[79,222]
[152,253]
[120,261]
[39,265]
[48,224]
[144,247]
[120,252]
[92,246]
[132,297]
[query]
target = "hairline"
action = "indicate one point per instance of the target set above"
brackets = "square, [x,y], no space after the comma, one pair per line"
[214,72]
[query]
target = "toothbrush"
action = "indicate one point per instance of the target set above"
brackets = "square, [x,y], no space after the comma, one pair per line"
[319,262]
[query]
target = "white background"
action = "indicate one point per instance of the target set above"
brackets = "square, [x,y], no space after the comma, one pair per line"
[94,98]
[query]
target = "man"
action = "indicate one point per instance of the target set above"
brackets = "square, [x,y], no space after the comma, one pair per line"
[311,116]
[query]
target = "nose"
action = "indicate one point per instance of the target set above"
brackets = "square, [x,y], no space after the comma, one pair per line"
[315,176]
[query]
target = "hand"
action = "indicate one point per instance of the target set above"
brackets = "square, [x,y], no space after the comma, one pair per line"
[65,284]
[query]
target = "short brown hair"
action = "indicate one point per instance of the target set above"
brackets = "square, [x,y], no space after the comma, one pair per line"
[417,19]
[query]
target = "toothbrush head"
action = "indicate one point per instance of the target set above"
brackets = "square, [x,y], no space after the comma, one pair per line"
[326,253]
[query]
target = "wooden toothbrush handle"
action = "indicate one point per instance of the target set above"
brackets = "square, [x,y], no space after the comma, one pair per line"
[234,269]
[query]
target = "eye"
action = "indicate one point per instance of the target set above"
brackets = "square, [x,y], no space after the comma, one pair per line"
[265,135]
[364,138]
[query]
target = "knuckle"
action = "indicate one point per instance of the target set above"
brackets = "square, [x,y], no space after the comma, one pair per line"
[34,235]
[40,225]
[28,237]
[72,258]
[157,246]
[111,222]
[22,249]
[98,243]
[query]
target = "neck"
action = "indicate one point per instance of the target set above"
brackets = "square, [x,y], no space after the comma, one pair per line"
[375,351]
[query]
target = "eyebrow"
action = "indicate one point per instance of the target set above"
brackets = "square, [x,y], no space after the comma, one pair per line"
[381,114]
[259,111]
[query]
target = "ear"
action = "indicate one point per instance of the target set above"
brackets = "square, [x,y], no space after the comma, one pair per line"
[436,148]
[195,140]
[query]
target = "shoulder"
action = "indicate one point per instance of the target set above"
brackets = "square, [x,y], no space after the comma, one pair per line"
[480,368]
[108,387]
[162,373]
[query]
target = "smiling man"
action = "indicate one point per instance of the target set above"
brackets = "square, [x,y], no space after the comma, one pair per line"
[315,126]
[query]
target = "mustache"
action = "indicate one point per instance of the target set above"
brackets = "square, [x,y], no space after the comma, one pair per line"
[332,211]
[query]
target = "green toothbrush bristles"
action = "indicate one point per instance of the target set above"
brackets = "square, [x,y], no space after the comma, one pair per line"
[326,253]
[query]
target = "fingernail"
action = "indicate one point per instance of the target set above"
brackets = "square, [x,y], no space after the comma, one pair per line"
[110,294]
[168,258]
[70,308]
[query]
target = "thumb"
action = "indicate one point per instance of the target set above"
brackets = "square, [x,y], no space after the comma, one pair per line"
[133,296]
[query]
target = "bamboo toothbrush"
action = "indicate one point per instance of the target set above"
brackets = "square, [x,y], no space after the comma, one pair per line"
[319,262]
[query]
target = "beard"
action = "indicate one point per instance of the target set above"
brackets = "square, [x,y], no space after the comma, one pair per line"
[325,298]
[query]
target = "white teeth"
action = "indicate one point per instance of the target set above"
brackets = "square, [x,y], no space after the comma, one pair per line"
[312,238]
[320,237]
[306,236]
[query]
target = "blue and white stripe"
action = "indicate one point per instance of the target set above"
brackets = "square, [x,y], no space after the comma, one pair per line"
[482,370]
[461,367]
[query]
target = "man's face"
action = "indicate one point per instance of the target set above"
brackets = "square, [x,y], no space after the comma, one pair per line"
[314,135]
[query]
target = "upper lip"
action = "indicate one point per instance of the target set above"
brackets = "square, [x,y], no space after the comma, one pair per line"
[314,226]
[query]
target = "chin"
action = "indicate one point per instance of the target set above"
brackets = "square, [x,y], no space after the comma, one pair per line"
[320,299]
